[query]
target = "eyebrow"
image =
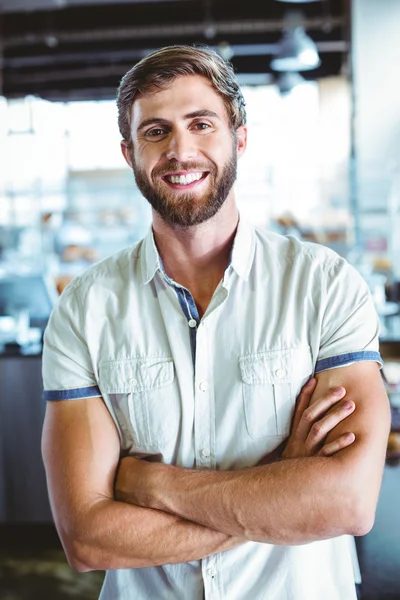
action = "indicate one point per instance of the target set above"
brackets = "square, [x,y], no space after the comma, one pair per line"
[193,115]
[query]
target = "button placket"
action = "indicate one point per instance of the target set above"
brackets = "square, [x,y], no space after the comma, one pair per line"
[203,386]
[210,578]
[203,398]
[211,573]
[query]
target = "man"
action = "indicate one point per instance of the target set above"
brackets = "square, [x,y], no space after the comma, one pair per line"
[172,371]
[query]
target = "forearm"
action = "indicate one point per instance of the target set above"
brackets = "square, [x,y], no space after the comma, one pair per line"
[288,502]
[115,535]
[301,498]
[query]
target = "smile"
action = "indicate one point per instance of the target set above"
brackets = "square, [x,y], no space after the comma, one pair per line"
[185,179]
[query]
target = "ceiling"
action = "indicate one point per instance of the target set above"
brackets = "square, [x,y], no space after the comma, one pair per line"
[80,49]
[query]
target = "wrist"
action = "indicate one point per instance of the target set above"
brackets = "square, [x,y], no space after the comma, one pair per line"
[158,484]
[122,482]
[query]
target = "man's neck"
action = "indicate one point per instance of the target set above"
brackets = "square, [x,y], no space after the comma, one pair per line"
[196,257]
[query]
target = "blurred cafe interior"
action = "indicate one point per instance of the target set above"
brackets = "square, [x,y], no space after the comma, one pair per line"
[320,80]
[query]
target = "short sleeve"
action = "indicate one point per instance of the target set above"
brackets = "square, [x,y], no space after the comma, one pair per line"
[67,366]
[350,324]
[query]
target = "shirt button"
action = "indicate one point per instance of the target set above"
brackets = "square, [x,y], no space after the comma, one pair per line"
[205,453]
[192,323]
[203,386]
[133,382]
[211,572]
[279,373]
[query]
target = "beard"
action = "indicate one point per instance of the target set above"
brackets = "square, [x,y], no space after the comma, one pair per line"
[187,209]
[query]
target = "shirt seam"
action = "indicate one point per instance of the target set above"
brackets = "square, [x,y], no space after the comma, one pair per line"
[95,274]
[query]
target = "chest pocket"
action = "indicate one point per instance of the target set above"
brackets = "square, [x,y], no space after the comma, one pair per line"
[271,382]
[144,399]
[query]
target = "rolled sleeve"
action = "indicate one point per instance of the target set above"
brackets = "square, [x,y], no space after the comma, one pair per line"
[67,367]
[350,327]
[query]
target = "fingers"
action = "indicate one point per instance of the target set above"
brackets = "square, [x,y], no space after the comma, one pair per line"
[313,422]
[313,413]
[303,400]
[320,429]
[343,441]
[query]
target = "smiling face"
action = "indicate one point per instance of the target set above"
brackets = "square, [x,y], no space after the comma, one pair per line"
[184,153]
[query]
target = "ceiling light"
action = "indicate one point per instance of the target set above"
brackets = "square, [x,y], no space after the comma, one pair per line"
[287,81]
[297,52]
[51,41]
[226,51]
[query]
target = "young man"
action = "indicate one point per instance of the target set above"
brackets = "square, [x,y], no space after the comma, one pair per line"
[172,371]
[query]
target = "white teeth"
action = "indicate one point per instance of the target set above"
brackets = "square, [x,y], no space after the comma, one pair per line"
[185,179]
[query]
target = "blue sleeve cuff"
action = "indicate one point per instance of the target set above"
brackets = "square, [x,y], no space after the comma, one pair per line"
[343,360]
[73,394]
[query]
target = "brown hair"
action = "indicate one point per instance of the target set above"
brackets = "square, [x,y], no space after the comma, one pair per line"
[158,69]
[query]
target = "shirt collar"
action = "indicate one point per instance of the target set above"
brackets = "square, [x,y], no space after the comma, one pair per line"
[149,258]
[241,256]
[243,249]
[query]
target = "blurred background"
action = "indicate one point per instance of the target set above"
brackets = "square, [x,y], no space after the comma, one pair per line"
[320,79]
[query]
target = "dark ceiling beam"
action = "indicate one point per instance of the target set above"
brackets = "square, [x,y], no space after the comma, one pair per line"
[158,31]
[114,56]
[118,70]
[48,60]
[70,75]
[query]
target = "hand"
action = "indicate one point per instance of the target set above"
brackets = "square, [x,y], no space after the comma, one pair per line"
[134,480]
[312,423]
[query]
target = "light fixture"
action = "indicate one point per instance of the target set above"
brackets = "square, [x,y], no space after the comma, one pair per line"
[225,51]
[287,81]
[297,52]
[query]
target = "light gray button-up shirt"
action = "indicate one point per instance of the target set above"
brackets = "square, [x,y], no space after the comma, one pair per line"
[216,392]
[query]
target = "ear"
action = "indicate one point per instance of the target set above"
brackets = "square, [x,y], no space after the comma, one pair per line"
[241,136]
[125,152]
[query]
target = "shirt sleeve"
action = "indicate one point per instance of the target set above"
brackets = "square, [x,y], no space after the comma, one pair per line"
[67,367]
[350,325]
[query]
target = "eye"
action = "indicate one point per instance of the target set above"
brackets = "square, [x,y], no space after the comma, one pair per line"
[156,132]
[201,126]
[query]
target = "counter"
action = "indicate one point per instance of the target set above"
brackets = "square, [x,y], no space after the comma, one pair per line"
[23,493]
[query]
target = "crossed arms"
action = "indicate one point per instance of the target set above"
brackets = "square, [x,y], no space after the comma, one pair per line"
[154,514]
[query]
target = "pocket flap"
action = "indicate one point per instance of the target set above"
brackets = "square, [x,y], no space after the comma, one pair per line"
[276,366]
[135,374]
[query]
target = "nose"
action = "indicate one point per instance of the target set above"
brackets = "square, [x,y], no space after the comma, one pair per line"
[181,146]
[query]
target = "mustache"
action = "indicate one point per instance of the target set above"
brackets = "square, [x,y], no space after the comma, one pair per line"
[182,166]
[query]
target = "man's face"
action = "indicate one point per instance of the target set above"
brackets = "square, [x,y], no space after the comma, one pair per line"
[184,154]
